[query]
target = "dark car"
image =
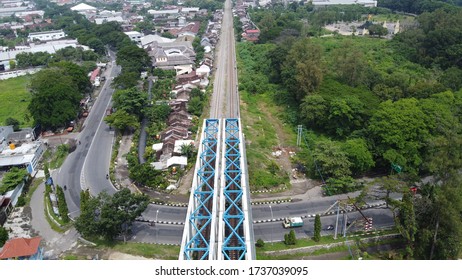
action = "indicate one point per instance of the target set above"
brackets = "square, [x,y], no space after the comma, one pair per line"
[330,227]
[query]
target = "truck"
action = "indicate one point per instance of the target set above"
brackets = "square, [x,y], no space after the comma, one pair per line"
[292,222]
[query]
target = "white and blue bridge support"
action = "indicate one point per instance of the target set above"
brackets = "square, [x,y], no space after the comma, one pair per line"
[219,223]
[199,236]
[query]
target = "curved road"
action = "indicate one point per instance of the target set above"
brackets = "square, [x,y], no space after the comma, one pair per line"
[88,165]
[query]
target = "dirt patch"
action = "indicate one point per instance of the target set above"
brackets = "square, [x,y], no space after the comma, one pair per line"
[123,256]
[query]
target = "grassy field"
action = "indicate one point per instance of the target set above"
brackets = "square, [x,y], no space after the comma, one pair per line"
[14,99]
[263,130]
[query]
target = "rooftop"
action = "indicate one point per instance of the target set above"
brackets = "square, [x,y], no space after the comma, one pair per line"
[20,247]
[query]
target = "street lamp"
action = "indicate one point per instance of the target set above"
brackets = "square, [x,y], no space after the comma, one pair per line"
[157,213]
[272,218]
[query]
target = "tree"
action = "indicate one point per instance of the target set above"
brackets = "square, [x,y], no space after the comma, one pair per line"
[359,155]
[313,111]
[406,223]
[332,161]
[399,131]
[109,217]
[46,171]
[122,121]
[133,59]
[195,106]
[55,98]
[75,72]
[187,150]
[126,79]
[377,30]
[260,243]
[158,113]
[3,236]
[290,238]
[84,198]
[346,114]
[451,78]
[350,64]
[62,205]
[132,101]
[317,228]
[302,70]
[12,179]
[97,45]
[14,122]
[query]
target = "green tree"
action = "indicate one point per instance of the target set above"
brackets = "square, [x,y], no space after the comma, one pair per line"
[109,217]
[451,78]
[158,113]
[405,222]
[302,71]
[399,131]
[122,121]
[14,122]
[290,238]
[317,228]
[133,59]
[332,161]
[84,198]
[195,106]
[3,236]
[126,79]
[46,170]
[188,150]
[346,114]
[377,30]
[55,98]
[359,155]
[313,111]
[62,204]
[350,64]
[97,45]
[75,72]
[132,101]
[12,179]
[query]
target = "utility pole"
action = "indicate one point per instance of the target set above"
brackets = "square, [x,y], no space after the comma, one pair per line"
[299,135]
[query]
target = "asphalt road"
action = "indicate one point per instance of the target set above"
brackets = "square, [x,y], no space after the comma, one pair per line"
[88,165]
[273,231]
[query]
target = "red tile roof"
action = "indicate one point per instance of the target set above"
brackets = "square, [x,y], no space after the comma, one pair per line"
[20,247]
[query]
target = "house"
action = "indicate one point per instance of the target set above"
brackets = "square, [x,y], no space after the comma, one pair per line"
[164,14]
[46,35]
[22,249]
[179,56]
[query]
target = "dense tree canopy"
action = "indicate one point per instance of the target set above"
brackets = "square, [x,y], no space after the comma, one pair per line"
[110,216]
[55,98]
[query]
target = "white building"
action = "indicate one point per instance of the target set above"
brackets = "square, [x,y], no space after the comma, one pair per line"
[46,35]
[324,3]
[135,36]
[49,47]
[27,155]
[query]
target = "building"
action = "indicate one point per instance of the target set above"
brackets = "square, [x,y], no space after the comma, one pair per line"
[179,56]
[85,9]
[27,155]
[135,36]
[46,35]
[170,14]
[22,249]
[50,47]
[325,3]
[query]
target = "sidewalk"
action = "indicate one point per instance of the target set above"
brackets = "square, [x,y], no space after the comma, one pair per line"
[55,242]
